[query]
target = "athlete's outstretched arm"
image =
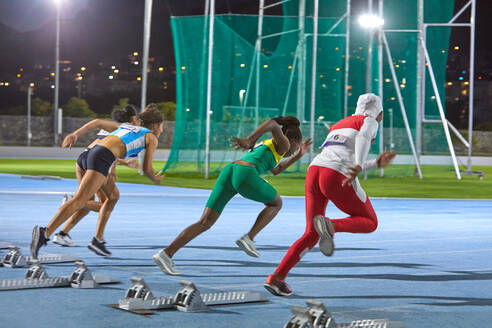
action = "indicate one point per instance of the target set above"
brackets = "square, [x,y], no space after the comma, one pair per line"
[151,143]
[71,139]
[282,143]
[367,132]
[282,166]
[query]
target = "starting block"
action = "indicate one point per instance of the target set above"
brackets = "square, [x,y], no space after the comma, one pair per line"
[187,299]
[36,277]
[15,259]
[316,316]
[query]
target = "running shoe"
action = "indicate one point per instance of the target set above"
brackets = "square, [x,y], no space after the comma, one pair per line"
[39,239]
[66,198]
[165,263]
[63,239]
[324,229]
[98,247]
[248,246]
[277,286]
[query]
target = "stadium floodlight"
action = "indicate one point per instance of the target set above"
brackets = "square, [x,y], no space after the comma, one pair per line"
[371,21]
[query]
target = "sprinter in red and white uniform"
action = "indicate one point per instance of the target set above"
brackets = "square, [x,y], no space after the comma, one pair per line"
[332,176]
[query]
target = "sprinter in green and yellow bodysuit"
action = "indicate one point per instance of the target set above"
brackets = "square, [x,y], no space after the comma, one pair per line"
[243,177]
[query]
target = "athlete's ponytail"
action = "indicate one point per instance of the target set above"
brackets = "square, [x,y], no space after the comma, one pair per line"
[150,115]
[290,127]
[124,115]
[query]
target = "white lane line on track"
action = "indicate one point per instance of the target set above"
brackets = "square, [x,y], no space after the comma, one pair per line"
[36,192]
[17,192]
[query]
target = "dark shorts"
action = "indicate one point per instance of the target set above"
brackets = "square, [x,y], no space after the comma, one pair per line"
[97,158]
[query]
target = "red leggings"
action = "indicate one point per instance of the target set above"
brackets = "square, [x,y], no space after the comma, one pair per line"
[324,184]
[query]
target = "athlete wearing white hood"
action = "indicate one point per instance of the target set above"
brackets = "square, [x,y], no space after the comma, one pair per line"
[332,176]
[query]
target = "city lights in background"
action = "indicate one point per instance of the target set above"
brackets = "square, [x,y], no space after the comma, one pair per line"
[139,78]
[161,69]
[31,84]
[135,53]
[116,71]
[83,68]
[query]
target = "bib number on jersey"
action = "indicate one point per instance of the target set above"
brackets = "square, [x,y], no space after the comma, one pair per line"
[334,140]
[134,129]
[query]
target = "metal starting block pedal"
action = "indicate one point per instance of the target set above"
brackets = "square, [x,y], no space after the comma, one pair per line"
[15,259]
[187,299]
[36,277]
[316,316]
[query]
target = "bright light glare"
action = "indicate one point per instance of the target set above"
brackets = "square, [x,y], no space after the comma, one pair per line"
[371,21]
[57,2]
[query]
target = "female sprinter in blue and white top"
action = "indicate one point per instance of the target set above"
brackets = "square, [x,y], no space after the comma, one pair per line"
[124,141]
[108,194]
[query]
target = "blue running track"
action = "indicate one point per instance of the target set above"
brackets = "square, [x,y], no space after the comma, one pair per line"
[429,264]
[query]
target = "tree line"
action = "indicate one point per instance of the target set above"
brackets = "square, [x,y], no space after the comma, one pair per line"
[78,107]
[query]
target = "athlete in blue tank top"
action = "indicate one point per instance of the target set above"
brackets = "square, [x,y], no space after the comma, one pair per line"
[93,167]
[107,194]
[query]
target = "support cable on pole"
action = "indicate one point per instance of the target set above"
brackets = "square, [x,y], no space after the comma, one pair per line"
[441,111]
[402,106]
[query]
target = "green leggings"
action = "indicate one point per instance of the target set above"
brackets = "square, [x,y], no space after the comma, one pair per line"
[241,179]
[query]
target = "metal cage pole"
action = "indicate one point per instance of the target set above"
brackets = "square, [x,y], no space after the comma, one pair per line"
[313,75]
[209,86]
[369,53]
[420,80]
[145,64]
[29,134]
[202,82]
[301,73]
[380,82]
[472,83]
[347,61]
[145,59]
[258,57]
[57,75]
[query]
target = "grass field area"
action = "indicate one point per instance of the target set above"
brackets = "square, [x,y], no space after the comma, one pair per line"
[438,182]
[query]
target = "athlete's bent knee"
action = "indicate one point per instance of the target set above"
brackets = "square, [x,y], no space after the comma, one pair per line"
[374,224]
[114,196]
[277,202]
[205,224]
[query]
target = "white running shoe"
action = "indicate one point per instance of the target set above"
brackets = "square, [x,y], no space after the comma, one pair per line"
[66,198]
[325,231]
[165,263]
[248,246]
[63,240]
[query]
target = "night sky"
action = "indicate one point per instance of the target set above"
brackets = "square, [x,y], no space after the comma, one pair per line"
[97,29]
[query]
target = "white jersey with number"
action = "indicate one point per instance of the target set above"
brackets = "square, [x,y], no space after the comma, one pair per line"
[347,144]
